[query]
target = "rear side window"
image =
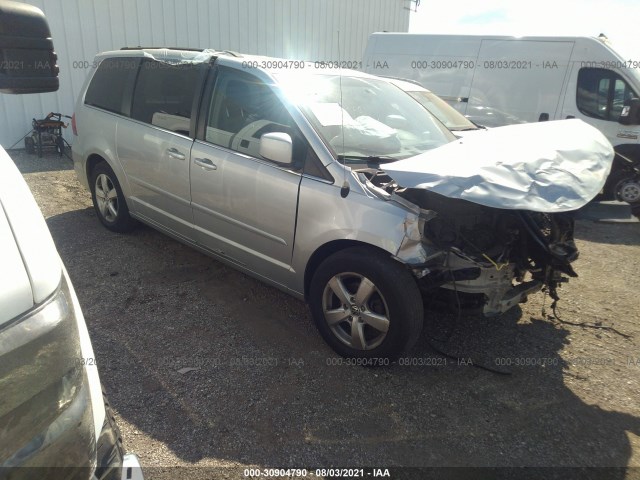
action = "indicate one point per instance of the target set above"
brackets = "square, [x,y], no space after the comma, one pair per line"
[108,86]
[164,95]
[602,93]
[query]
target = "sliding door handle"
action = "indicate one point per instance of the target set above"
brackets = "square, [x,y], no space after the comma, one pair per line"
[205,163]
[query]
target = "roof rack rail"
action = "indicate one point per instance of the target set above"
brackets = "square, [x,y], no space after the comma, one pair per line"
[163,48]
[231,52]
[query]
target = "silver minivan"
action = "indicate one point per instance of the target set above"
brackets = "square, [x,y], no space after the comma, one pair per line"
[289,172]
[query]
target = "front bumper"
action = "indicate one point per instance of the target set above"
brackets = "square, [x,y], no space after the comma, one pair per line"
[47,411]
[65,448]
[131,469]
[495,282]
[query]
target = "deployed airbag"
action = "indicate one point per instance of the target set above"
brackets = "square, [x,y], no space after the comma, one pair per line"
[553,166]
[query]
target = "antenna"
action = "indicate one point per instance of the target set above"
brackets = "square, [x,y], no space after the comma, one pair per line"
[344,191]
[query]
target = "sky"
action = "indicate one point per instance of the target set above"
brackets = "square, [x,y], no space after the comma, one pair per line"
[617,19]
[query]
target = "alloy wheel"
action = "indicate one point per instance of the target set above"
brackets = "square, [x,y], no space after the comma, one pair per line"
[106,198]
[355,311]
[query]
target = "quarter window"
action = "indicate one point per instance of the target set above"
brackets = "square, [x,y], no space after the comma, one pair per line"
[164,95]
[108,86]
[602,93]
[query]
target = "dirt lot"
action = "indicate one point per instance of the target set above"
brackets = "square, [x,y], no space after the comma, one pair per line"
[267,392]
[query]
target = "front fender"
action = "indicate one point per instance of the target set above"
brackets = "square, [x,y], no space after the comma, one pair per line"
[325,216]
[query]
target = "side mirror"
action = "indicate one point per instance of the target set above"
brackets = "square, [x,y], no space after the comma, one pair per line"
[629,114]
[28,63]
[277,147]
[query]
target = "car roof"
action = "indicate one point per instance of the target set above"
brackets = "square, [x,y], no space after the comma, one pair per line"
[271,65]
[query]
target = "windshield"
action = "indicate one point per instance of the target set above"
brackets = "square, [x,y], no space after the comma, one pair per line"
[364,118]
[448,115]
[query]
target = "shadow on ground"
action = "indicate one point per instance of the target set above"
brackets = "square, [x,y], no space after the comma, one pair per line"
[31,163]
[267,391]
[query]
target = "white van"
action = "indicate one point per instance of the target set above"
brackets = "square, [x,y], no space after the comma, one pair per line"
[500,80]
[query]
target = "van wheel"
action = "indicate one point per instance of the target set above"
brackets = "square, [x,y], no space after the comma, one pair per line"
[628,190]
[108,199]
[366,305]
[615,180]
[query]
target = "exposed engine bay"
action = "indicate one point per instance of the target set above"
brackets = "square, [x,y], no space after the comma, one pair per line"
[491,259]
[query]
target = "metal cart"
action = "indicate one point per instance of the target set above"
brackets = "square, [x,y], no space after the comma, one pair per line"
[47,134]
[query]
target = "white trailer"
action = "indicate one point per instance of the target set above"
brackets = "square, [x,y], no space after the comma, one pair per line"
[500,80]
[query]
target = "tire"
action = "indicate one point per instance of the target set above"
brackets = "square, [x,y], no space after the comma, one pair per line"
[612,185]
[109,449]
[628,190]
[108,200]
[392,295]
[30,145]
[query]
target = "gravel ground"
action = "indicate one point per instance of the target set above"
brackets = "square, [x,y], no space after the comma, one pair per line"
[265,391]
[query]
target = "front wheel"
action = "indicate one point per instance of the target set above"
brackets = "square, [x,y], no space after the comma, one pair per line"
[366,305]
[108,199]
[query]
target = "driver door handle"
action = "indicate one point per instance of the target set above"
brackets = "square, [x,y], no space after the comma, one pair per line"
[175,153]
[205,163]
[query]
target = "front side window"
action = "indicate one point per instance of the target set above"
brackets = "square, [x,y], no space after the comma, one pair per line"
[602,93]
[164,95]
[242,109]
[109,84]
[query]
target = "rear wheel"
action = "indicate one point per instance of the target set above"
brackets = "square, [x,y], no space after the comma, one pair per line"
[614,190]
[108,199]
[366,305]
[628,190]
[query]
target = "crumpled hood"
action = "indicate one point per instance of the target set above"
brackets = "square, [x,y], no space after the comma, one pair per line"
[553,166]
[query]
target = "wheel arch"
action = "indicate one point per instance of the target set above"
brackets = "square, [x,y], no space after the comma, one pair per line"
[325,251]
[629,150]
[92,161]
[620,166]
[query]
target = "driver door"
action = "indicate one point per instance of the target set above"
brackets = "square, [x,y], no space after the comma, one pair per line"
[244,206]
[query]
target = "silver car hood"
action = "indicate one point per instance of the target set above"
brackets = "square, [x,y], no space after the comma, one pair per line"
[553,166]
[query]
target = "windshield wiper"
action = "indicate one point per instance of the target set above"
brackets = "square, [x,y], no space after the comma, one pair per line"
[464,129]
[370,160]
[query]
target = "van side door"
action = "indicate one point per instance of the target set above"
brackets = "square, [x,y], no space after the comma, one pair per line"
[245,206]
[154,145]
[518,81]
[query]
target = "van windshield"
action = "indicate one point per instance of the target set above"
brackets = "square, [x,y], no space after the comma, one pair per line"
[448,115]
[364,118]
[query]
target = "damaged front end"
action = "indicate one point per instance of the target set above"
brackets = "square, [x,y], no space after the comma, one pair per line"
[487,259]
[496,226]
[480,258]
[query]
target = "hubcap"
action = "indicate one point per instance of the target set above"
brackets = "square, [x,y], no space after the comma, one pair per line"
[355,311]
[106,198]
[629,191]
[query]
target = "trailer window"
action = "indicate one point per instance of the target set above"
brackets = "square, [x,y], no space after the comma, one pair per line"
[602,93]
